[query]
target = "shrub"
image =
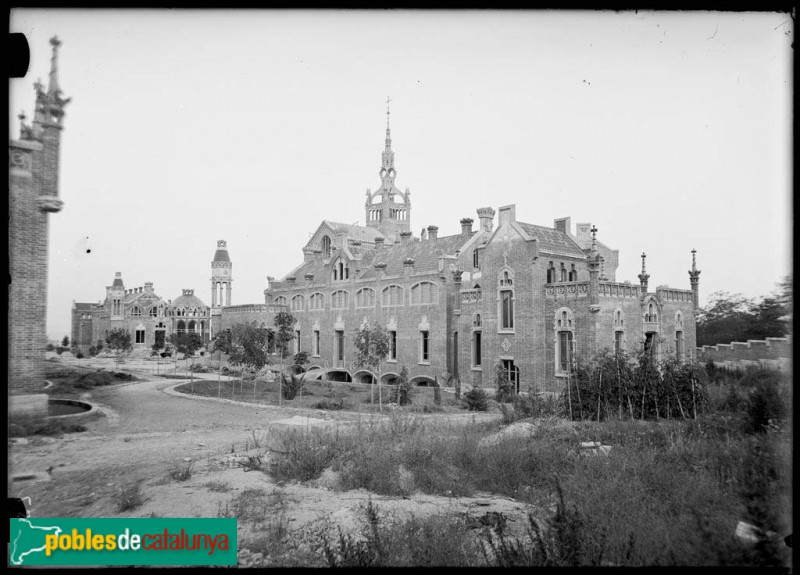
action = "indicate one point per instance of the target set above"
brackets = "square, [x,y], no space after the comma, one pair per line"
[92,351]
[305,455]
[292,386]
[476,399]
[60,350]
[50,347]
[79,354]
[505,388]
[130,498]
[764,406]
[182,472]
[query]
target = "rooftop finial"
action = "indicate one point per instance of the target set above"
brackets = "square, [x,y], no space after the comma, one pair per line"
[594,238]
[644,255]
[694,262]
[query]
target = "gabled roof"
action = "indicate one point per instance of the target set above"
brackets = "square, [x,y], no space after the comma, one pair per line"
[355,232]
[553,241]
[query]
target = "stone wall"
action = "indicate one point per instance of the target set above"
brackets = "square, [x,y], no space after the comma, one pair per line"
[774,352]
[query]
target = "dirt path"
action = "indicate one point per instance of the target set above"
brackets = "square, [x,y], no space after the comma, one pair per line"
[146,431]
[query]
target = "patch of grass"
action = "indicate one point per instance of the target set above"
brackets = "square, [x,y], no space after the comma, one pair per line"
[130,498]
[218,486]
[32,427]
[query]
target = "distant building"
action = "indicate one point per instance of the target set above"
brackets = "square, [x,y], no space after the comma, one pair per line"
[33,168]
[147,316]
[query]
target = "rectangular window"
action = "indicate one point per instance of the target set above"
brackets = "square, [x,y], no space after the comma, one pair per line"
[679,346]
[512,373]
[618,341]
[316,343]
[507,309]
[393,345]
[139,336]
[339,348]
[476,349]
[424,355]
[297,341]
[566,349]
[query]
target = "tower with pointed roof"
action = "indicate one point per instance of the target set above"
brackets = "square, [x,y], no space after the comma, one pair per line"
[221,280]
[387,208]
[33,195]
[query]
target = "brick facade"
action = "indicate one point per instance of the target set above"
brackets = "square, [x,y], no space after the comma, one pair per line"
[33,194]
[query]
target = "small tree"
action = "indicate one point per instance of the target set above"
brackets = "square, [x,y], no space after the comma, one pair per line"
[65,341]
[372,347]
[403,391]
[119,342]
[249,348]
[99,346]
[284,333]
[187,343]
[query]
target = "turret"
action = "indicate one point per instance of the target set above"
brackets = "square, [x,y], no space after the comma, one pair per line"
[594,260]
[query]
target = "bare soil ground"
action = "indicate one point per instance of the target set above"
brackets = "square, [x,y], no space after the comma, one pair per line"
[145,433]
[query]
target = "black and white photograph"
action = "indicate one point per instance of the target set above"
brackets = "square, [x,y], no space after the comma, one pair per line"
[401,288]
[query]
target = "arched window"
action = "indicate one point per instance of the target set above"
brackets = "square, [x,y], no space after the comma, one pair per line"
[475,259]
[551,273]
[680,350]
[573,274]
[340,300]
[341,271]
[563,272]
[564,327]
[280,300]
[326,247]
[181,327]
[424,293]
[365,297]
[298,303]
[652,313]
[192,326]
[392,296]
[154,311]
[316,301]
[506,300]
[136,311]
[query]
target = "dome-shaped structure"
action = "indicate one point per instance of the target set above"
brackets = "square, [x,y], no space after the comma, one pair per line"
[118,280]
[188,300]
[221,255]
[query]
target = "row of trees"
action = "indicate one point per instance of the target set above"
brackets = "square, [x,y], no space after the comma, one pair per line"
[732,317]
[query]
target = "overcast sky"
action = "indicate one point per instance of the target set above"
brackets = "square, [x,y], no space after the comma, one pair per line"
[667,130]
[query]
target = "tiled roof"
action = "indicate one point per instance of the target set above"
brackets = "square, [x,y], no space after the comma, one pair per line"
[425,254]
[84,306]
[554,241]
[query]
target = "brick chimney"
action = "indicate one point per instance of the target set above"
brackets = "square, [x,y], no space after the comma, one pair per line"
[433,231]
[405,237]
[486,216]
[379,243]
[466,226]
[148,287]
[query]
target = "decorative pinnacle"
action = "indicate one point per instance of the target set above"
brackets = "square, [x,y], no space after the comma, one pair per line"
[53,86]
[644,255]
[694,262]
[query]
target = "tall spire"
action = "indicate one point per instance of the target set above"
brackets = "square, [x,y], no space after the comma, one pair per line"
[387,158]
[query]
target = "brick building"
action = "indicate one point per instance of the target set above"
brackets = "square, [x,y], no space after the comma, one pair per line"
[528,297]
[33,171]
[147,316]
